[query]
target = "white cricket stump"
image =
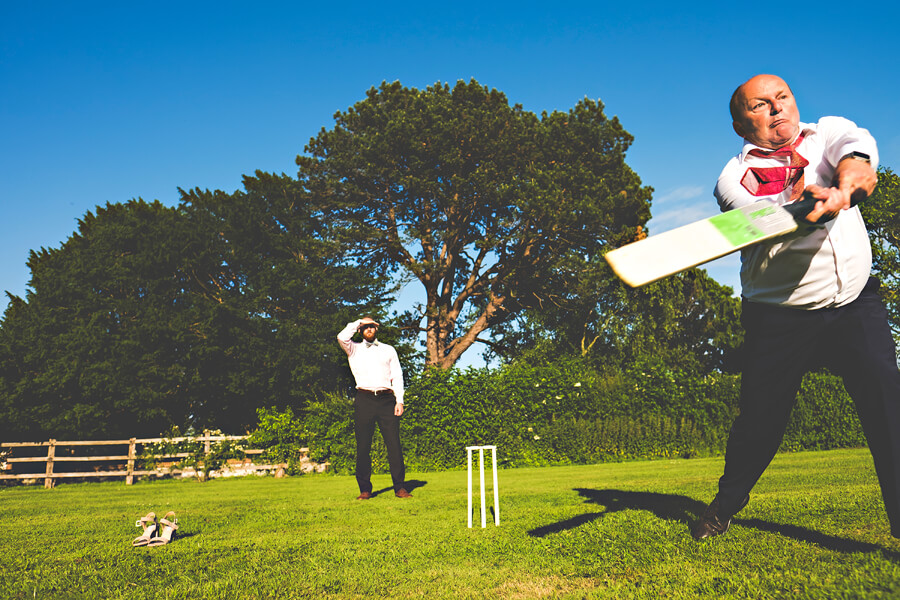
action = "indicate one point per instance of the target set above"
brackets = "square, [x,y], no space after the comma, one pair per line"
[481,449]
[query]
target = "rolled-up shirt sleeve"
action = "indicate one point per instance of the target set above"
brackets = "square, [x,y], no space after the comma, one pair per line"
[346,335]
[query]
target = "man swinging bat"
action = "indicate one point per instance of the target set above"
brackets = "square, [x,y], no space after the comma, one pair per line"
[808,300]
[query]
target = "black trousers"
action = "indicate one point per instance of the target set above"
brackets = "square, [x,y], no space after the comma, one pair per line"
[781,346]
[369,409]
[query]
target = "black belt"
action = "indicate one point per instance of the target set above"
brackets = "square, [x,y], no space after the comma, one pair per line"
[377,392]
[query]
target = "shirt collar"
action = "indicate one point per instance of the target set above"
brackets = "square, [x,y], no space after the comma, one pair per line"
[804,128]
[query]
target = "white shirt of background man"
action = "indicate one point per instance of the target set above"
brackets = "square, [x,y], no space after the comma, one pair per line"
[375,366]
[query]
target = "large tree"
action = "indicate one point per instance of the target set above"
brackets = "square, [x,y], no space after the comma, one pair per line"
[150,316]
[489,207]
[99,341]
[280,270]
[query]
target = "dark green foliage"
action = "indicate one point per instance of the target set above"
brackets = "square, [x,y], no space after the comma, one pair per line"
[98,346]
[882,214]
[824,417]
[328,424]
[285,278]
[567,413]
[586,441]
[282,435]
[194,316]
[688,320]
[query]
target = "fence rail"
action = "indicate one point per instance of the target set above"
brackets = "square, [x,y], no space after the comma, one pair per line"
[129,472]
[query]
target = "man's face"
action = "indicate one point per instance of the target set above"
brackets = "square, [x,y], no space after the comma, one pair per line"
[368,332]
[765,113]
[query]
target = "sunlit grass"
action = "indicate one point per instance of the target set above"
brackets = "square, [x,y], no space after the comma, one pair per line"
[815,528]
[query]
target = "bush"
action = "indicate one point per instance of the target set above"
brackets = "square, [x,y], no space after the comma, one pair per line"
[583,441]
[328,425]
[280,435]
[563,413]
[824,417]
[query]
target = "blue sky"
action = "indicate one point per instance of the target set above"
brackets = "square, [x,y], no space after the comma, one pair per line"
[103,102]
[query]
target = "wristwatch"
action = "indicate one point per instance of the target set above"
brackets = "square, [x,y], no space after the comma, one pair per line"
[860,156]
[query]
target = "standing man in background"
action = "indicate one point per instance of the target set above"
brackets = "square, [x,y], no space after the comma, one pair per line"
[379,398]
[808,300]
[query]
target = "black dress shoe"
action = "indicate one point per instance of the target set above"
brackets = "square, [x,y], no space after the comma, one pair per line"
[713,522]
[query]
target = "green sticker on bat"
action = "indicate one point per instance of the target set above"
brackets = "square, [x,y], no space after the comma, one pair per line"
[737,228]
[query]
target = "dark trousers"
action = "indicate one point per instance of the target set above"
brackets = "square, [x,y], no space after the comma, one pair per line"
[369,409]
[781,346]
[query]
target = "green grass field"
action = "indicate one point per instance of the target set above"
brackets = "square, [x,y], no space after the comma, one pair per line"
[815,528]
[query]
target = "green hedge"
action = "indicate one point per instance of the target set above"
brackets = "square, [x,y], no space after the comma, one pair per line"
[567,413]
[823,418]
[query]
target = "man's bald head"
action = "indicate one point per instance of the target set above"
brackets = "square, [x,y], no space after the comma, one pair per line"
[763,111]
[737,97]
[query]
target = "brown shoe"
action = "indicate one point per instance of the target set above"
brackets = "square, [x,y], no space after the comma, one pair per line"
[364,496]
[401,493]
[713,522]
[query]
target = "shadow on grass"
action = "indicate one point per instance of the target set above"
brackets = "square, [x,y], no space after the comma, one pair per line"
[409,486]
[673,507]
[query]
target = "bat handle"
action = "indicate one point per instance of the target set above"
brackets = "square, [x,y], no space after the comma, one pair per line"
[807,203]
[802,207]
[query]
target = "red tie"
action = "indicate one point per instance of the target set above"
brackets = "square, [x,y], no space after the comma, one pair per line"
[767,181]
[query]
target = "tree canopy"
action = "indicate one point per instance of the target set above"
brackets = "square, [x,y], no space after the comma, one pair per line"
[150,316]
[100,337]
[490,208]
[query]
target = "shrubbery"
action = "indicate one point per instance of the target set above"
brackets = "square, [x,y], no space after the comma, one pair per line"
[562,413]
[282,435]
[824,417]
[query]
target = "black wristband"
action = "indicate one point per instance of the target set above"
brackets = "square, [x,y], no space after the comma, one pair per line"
[860,156]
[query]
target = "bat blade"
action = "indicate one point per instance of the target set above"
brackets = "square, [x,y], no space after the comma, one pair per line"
[677,250]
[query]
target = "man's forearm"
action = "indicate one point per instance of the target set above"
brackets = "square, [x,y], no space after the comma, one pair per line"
[347,332]
[346,335]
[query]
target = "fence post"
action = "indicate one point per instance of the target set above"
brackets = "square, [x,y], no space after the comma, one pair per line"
[48,474]
[207,447]
[129,476]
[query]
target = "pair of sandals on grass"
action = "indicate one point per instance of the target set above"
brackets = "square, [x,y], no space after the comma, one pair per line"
[152,535]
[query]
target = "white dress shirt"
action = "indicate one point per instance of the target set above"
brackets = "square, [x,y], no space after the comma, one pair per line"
[826,267]
[375,365]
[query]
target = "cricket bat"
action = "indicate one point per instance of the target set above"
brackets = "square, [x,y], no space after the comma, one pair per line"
[677,250]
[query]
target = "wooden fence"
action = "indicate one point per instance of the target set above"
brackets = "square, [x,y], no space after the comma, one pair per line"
[51,472]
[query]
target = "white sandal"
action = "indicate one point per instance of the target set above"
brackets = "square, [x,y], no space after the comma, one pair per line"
[148,523]
[168,530]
